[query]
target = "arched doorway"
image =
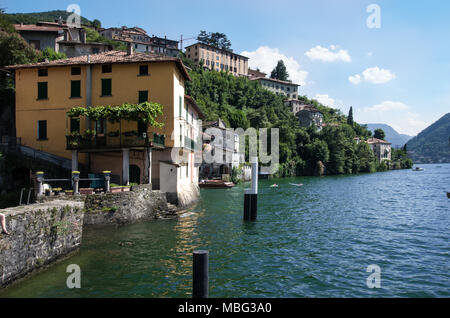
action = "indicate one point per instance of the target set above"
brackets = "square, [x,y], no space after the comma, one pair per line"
[224,169]
[135,174]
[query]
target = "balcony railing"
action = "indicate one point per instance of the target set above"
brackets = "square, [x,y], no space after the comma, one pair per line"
[114,140]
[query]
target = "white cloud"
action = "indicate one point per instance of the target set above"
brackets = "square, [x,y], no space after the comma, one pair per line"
[325,100]
[266,58]
[369,54]
[330,54]
[355,79]
[386,106]
[395,114]
[374,75]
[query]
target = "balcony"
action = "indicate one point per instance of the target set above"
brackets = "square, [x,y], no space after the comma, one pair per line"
[114,140]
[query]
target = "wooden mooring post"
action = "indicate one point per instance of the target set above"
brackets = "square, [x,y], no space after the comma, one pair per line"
[200,276]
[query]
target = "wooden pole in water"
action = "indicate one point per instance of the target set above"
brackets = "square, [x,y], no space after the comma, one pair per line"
[200,276]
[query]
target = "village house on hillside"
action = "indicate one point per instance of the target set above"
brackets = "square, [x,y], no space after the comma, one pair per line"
[217,59]
[381,148]
[60,37]
[309,115]
[141,41]
[132,151]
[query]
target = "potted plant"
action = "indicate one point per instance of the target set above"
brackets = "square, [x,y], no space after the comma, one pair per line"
[86,191]
[115,188]
[58,191]
[89,134]
[69,192]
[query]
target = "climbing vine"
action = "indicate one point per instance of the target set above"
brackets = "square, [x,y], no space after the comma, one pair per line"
[145,112]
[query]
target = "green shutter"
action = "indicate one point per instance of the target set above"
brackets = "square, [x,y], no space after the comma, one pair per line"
[42,90]
[75,125]
[42,129]
[75,89]
[181,107]
[106,87]
[143,96]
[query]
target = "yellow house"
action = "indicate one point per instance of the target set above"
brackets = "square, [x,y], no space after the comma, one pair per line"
[46,91]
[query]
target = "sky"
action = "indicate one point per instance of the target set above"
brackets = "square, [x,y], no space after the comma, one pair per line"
[387,59]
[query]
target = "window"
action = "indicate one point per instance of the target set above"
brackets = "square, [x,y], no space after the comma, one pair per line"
[187,114]
[100,126]
[43,72]
[143,96]
[42,130]
[106,87]
[142,128]
[143,70]
[74,125]
[42,90]
[107,68]
[75,89]
[180,107]
[76,70]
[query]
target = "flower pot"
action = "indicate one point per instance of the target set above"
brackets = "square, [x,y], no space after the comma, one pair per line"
[86,191]
[116,189]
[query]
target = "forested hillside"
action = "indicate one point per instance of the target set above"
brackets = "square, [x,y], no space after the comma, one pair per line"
[433,144]
[47,16]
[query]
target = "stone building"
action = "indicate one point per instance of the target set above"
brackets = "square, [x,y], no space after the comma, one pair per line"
[381,148]
[141,41]
[309,115]
[217,59]
[129,149]
[61,38]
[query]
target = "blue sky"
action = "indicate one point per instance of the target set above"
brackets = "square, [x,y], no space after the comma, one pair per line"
[399,72]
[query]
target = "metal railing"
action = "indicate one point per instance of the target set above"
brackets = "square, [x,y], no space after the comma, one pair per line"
[113,141]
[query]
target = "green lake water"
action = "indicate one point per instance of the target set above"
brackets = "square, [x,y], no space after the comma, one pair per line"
[310,241]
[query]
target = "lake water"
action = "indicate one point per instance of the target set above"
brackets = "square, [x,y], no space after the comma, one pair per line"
[310,241]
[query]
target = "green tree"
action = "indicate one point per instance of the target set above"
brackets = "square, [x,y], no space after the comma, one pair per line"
[216,39]
[280,72]
[96,24]
[379,133]
[350,117]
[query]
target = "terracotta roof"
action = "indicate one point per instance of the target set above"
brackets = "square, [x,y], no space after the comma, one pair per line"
[37,28]
[194,104]
[310,108]
[216,48]
[274,80]
[109,57]
[377,141]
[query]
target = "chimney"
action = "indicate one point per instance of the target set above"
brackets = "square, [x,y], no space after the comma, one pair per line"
[130,48]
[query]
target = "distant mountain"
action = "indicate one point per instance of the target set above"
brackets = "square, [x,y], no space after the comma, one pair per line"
[397,140]
[433,144]
[47,16]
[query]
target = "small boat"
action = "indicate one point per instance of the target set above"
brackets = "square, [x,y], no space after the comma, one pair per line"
[417,169]
[216,184]
[296,184]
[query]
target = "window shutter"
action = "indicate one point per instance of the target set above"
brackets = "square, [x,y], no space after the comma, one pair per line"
[106,87]
[42,90]
[143,96]
[42,129]
[75,89]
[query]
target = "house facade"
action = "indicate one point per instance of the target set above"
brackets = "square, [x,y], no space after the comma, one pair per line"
[381,148]
[141,41]
[227,140]
[131,151]
[309,115]
[61,38]
[217,59]
[289,89]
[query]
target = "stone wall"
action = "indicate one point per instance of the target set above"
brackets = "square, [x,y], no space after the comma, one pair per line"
[125,207]
[188,194]
[40,234]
